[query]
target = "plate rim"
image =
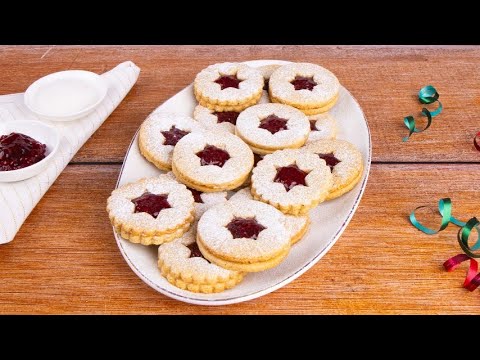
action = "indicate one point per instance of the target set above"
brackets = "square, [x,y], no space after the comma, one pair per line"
[286,280]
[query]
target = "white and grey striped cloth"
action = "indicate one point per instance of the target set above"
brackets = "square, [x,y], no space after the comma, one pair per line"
[18,199]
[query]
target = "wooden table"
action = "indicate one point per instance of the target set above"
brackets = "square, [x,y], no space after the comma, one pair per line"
[65,260]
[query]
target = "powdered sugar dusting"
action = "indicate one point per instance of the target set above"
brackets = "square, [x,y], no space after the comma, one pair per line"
[206,87]
[248,122]
[216,237]
[209,200]
[188,163]
[326,89]
[350,159]
[242,195]
[326,126]
[267,70]
[207,118]
[120,206]
[151,139]
[318,180]
[175,255]
[293,224]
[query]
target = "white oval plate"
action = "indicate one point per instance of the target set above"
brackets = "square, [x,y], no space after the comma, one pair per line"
[329,220]
[42,92]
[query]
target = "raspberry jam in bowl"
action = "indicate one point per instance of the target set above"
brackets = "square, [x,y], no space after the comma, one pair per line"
[26,148]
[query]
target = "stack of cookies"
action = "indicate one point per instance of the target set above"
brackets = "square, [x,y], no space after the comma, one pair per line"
[258,153]
[228,87]
[310,88]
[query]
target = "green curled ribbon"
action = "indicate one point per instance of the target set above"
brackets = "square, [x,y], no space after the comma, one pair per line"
[445,209]
[409,122]
[427,95]
[463,235]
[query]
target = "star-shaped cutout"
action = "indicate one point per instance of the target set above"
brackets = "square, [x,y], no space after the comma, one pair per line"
[273,123]
[227,116]
[173,135]
[248,228]
[290,176]
[228,81]
[330,159]
[151,203]
[302,82]
[211,155]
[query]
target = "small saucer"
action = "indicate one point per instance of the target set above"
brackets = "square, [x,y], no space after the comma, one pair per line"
[41,132]
[65,95]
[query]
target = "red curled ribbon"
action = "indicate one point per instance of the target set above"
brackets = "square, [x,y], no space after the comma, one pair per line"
[476,141]
[472,280]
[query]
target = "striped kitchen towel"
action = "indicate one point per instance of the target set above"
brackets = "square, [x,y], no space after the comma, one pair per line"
[18,199]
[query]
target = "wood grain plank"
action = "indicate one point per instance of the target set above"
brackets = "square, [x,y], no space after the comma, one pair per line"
[65,260]
[385,81]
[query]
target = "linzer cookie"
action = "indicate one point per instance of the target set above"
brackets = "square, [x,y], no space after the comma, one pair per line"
[344,161]
[307,87]
[211,162]
[228,87]
[184,266]
[270,127]
[294,181]
[249,236]
[182,263]
[159,134]
[217,120]
[296,226]
[151,211]
[322,126]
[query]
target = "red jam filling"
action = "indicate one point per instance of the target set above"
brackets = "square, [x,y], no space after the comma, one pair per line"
[312,125]
[290,176]
[196,195]
[227,116]
[195,251]
[211,155]
[151,203]
[18,151]
[330,159]
[273,123]
[302,82]
[245,228]
[228,81]
[173,135]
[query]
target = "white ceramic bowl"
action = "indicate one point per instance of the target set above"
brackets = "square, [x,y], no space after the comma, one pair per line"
[65,95]
[41,132]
